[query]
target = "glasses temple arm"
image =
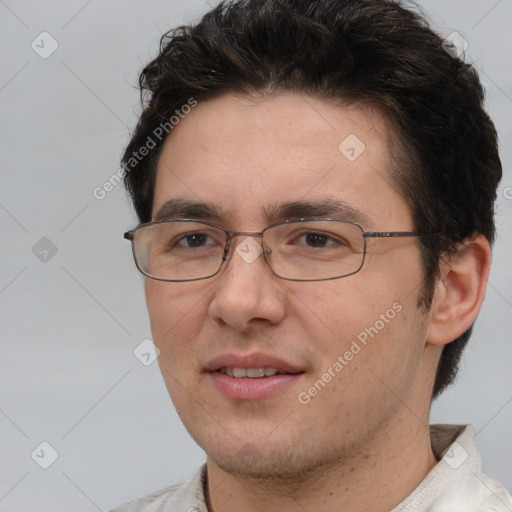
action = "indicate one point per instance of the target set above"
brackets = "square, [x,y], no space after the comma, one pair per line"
[390,234]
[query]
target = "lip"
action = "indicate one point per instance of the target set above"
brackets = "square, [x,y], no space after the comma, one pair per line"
[256,360]
[252,389]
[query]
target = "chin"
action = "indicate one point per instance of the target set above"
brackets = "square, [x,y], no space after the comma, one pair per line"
[284,463]
[259,469]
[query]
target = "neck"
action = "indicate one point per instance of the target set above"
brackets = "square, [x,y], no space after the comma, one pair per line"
[377,477]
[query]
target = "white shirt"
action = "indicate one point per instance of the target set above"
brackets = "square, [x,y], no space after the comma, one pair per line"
[455,484]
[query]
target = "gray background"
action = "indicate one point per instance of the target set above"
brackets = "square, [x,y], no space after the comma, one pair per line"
[70,323]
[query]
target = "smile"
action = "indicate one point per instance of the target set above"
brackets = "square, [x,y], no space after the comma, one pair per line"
[250,373]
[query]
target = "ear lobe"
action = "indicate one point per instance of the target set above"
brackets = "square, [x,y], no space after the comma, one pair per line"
[460,291]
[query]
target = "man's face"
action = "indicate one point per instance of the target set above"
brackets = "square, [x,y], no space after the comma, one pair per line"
[246,156]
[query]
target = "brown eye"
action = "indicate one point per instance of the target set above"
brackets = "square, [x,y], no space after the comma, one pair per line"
[193,240]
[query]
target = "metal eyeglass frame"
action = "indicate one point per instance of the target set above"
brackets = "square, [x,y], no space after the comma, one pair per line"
[230,235]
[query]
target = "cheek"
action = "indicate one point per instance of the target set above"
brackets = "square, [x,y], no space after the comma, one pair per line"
[346,307]
[373,311]
[176,314]
[176,317]
[368,355]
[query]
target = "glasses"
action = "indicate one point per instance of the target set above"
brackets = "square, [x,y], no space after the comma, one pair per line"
[301,250]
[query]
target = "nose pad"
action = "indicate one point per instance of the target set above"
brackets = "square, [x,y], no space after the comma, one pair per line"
[225,254]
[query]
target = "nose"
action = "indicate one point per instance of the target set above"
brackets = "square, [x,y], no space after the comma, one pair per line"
[247,293]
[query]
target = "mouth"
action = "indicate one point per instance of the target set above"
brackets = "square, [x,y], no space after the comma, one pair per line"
[251,373]
[253,377]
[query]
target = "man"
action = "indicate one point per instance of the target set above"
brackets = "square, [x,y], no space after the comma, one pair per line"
[315,183]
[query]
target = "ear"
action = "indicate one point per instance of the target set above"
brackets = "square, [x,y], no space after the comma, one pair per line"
[459,291]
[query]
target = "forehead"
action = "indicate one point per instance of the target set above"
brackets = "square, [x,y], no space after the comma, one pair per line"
[247,156]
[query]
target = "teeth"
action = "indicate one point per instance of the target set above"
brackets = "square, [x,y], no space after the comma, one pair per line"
[239,373]
[251,373]
[255,373]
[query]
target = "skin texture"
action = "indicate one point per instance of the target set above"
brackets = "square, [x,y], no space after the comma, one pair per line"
[363,440]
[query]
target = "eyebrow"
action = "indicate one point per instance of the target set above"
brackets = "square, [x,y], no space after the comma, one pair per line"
[185,209]
[333,208]
[178,208]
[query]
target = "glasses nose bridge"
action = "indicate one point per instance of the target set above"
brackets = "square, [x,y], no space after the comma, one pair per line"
[230,237]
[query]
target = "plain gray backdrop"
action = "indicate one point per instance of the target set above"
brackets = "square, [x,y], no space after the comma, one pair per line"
[71,301]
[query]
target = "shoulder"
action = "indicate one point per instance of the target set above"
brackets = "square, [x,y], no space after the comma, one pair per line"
[187,497]
[496,498]
[462,473]
[456,483]
[157,501]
